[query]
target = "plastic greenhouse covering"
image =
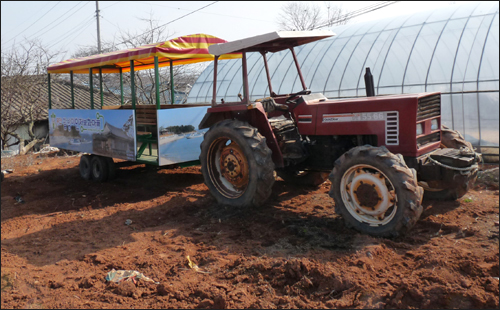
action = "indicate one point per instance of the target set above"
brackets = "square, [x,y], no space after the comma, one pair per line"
[454,50]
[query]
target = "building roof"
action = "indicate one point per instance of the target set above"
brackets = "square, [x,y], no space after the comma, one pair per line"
[110,130]
[61,95]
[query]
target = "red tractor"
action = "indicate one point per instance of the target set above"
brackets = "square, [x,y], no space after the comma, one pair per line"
[381,153]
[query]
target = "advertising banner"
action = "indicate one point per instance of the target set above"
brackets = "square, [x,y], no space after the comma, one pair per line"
[179,137]
[109,133]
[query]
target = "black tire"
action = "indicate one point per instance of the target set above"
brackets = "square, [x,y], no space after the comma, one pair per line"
[385,175]
[451,139]
[303,178]
[111,168]
[100,168]
[236,164]
[85,167]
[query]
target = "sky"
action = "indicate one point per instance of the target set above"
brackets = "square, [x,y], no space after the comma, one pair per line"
[70,25]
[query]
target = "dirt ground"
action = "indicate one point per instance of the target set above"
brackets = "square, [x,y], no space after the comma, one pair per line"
[61,235]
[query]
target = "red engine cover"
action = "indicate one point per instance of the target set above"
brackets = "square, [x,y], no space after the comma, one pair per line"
[393,119]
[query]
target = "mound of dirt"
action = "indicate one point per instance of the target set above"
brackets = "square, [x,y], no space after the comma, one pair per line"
[61,235]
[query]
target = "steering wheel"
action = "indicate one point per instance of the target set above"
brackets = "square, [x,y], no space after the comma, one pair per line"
[302,92]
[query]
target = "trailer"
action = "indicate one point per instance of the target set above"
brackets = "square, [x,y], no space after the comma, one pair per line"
[152,134]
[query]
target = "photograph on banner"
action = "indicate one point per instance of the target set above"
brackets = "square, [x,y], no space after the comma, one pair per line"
[179,137]
[109,133]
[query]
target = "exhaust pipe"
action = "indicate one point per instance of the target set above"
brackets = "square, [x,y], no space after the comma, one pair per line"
[370,88]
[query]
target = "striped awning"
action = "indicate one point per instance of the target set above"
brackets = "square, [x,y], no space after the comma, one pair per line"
[182,50]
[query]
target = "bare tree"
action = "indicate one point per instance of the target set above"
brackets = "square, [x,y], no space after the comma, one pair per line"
[336,15]
[298,16]
[144,79]
[22,87]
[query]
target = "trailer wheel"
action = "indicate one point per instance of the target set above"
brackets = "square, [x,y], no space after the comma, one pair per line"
[236,164]
[375,192]
[111,168]
[304,178]
[450,139]
[100,168]
[85,167]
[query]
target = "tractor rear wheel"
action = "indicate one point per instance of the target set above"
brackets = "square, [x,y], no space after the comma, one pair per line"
[236,164]
[304,178]
[375,192]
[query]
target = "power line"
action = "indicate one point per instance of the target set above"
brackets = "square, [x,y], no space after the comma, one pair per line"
[33,22]
[110,23]
[77,35]
[61,20]
[359,12]
[25,20]
[170,22]
[80,32]
[369,9]
[70,32]
[238,17]
[30,36]
[111,5]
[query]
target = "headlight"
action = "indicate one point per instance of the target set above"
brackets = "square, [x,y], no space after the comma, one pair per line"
[419,129]
[434,124]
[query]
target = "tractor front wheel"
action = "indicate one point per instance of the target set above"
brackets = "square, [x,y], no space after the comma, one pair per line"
[236,164]
[375,192]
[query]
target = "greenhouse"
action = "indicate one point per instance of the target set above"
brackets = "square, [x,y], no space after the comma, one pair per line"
[454,50]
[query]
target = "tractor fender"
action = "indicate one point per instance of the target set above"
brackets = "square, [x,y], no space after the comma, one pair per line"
[255,115]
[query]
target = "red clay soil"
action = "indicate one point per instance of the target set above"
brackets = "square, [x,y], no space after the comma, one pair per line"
[293,252]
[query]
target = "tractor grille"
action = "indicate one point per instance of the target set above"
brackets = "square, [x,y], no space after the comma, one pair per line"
[433,137]
[392,128]
[429,107]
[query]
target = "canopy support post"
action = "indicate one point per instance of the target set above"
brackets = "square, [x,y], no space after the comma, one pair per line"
[172,95]
[132,83]
[246,99]
[50,94]
[100,87]
[267,73]
[157,83]
[72,90]
[214,96]
[121,85]
[91,83]
[298,68]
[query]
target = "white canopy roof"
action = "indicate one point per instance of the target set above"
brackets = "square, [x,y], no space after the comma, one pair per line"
[270,42]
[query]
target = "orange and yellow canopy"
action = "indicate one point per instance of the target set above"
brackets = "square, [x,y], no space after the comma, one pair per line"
[182,50]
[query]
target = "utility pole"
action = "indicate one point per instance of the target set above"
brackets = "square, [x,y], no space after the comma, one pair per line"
[98,27]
